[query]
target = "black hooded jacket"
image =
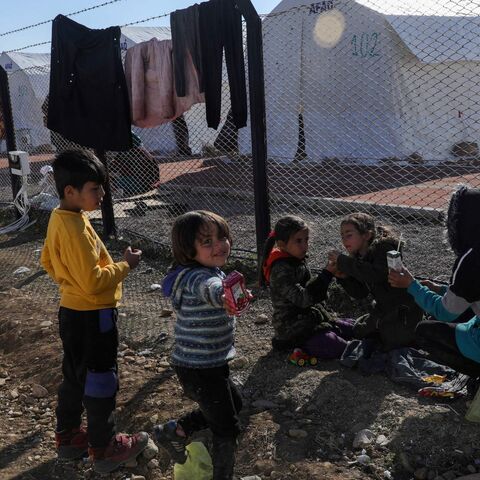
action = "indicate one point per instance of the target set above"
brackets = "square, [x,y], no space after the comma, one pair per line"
[369,274]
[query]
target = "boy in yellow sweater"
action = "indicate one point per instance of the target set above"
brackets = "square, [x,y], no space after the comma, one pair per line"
[90,288]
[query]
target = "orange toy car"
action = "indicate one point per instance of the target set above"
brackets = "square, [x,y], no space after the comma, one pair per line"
[300,358]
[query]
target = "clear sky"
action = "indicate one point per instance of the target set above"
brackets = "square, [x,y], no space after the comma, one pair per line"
[21,13]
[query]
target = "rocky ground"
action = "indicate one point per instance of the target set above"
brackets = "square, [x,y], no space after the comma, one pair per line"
[324,422]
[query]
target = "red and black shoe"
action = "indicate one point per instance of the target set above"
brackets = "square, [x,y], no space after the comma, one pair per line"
[120,450]
[71,444]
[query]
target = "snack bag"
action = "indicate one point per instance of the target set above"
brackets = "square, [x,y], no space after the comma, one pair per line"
[236,293]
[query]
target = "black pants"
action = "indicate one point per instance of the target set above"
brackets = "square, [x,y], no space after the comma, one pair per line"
[221,26]
[438,339]
[219,405]
[90,343]
[186,37]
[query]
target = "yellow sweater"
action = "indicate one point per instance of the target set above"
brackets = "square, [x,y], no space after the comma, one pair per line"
[75,257]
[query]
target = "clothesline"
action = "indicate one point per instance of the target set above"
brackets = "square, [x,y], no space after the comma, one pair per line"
[122,26]
[87,9]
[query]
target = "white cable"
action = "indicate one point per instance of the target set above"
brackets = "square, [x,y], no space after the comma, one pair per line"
[21,205]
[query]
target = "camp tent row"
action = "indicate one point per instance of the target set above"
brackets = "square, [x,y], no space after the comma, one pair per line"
[371,79]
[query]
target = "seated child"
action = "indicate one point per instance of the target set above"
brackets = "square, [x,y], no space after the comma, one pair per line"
[364,271]
[454,344]
[204,339]
[299,319]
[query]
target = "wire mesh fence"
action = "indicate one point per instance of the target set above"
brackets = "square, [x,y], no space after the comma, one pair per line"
[369,106]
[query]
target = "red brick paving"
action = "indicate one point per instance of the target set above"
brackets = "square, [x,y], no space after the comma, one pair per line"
[405,186]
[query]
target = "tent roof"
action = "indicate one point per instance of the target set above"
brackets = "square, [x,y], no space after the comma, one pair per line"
[431,31]
[142,34]
[439,39]
[25,60]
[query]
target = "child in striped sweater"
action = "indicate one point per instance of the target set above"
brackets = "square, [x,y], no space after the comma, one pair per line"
[204,339]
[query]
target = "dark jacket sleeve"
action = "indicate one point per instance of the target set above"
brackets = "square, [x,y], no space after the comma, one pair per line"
[318,287]
[282,282]
[373,271]
[353,287]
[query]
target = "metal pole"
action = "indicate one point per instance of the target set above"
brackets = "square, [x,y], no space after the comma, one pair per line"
[6,107]
[256,90]
[108,217]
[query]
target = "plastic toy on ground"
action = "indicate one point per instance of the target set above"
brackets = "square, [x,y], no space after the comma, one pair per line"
[300,358]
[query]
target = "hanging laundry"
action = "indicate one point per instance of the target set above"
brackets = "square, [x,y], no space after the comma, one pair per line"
[221,26]
[185,28]
[88,98]
[149,73]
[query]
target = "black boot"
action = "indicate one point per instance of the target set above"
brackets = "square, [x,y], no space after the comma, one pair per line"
[223,457]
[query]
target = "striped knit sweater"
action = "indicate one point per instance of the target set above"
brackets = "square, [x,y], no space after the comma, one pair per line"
[204,333]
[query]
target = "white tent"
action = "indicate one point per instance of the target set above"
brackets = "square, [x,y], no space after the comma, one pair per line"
[162,138]
[372,78]
[28,78]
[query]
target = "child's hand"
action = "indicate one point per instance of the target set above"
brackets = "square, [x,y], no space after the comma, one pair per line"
[331,267]
[434,287]
[132,257]
[339,274]
[333,256]
[230,309]
[401,279]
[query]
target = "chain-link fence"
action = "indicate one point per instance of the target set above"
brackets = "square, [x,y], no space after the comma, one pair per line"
[369,106]
[172,168]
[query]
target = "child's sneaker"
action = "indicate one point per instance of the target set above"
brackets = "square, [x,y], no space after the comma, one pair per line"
[120,450]
[166,436]
[71,444]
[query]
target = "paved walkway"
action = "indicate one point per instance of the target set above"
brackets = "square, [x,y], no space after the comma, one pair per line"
[420,187]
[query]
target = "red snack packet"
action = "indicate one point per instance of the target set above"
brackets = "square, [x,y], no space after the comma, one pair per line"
[236,293]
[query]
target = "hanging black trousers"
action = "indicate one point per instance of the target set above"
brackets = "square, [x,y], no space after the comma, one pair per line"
[221,27]
[186,38]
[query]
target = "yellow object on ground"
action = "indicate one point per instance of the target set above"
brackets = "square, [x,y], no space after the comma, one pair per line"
[198,465]
[473,412]
[438,379]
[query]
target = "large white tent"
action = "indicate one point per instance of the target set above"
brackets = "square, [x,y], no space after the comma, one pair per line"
[28,78]
[372,78]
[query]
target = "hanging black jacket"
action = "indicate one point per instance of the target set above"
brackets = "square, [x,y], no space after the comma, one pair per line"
[88,92]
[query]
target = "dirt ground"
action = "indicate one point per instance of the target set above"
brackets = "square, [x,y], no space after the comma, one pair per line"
[298,423]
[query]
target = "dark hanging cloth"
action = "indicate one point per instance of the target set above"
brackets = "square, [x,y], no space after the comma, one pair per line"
[88,98]
[221,26]
[184,25]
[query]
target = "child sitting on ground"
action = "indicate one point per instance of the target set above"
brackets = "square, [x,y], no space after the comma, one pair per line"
[364,271]
[299,320]
[204,339]
[90,288]
[454,344]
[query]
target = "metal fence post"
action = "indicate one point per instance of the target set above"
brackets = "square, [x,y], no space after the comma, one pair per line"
[6,106]
[256,89]
[108,217]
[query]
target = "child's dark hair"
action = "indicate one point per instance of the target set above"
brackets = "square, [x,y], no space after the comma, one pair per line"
[188,227]
[365,223]
[283,230]
[463,220]
[76,168]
